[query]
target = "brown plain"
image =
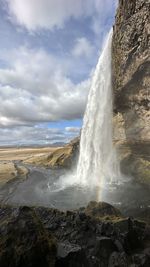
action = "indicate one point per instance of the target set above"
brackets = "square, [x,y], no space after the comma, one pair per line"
[9,154]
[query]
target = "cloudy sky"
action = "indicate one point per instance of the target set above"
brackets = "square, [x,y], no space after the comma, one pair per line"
[48,52]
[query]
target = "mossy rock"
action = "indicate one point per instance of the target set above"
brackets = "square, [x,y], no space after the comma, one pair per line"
[24,242]
[102,210]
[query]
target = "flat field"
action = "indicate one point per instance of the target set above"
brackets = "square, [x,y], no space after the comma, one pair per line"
[10,168]
[21,153]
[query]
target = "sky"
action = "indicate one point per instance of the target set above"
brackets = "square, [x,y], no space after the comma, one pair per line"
[48,52]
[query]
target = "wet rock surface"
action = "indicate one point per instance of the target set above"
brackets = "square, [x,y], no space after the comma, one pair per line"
[48,237]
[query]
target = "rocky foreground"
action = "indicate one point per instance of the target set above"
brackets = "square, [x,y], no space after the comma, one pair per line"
[95,236]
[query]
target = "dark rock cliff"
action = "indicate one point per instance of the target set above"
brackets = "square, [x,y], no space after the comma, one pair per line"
[131,82]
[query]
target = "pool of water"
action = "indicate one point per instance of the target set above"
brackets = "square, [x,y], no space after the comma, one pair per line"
[56,189]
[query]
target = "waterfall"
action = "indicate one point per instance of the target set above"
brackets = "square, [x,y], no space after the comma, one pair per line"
[97,160]
[97,164]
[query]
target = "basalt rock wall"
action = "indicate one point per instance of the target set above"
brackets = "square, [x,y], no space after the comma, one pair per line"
[131,86]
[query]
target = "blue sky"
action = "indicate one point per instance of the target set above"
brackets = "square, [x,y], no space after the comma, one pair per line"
[48,52]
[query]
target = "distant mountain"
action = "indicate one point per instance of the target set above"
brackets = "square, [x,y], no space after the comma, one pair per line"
[57,144]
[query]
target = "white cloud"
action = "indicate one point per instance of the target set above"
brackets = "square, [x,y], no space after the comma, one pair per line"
[35,14]
[105,12]
[46,13]
[73,129]
[34,85]
[30,135]
[83,48]
[34,135]
[40,91]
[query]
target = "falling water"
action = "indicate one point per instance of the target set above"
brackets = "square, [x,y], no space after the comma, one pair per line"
[97,163]
[97,159]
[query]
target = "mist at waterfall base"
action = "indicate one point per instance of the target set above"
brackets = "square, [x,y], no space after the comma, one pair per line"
[97,175]
[97,166]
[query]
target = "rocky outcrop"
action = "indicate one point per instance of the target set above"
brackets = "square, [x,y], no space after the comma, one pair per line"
[131,85]
[47,237]
[10,171]
[61,157]
[102,210]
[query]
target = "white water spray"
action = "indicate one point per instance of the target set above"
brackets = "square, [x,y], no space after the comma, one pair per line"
[97,160]
[97,163]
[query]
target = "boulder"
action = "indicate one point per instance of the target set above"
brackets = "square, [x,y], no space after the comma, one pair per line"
[104,247]
[102,210]
[69,255]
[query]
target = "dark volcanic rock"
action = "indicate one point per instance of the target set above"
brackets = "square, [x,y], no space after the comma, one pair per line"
[104,247]
[101,209]
[69,255]
[47,237]
[23,240]
[118,260]
[141,260]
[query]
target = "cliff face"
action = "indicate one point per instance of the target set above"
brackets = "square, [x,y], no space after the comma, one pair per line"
[131,82]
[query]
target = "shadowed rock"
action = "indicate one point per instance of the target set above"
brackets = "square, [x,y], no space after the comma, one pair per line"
[131,82]
[47,237]
[101,209]
[23,240]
